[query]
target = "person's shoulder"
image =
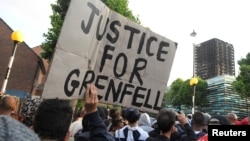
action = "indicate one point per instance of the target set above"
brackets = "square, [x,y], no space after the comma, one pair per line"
[203,138]
[150,139]
[16,129]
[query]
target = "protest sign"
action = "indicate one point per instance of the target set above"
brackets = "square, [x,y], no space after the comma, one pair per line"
[129,64]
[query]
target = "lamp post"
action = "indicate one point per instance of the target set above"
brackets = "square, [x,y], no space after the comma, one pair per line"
[193,82]
[17,37]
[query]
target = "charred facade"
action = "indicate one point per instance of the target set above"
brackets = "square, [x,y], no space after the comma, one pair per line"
[214,58]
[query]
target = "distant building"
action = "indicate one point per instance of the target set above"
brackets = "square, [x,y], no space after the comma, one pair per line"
[214,58]
[27,68]
[42,77]
[222,99]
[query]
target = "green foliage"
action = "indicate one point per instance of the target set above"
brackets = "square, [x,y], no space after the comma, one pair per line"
[79,104]
[242,83]
[181,93]
[59,11]
[121,7]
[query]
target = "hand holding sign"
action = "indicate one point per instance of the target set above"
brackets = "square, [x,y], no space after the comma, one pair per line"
[90,99]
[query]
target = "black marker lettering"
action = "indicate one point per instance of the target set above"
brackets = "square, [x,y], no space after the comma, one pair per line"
[94,12]
[74,83]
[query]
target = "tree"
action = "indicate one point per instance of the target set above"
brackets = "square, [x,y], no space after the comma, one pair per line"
[242,82]
[181,93]
[174,95]
[59,11]
[201,91]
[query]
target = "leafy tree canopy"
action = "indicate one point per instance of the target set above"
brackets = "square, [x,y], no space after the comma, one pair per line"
[180,93]
[242,83]
[59,11]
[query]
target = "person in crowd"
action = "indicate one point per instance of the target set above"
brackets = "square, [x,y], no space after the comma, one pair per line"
[117,123]
[166,124]
[181,125]
[94,128]
[218,120]
[131,132]
[207,116]
[103,113]
[28,108]
[77,124]
[145,122]
[52,120]
[114,113]
[244,121]
[13,130]
[197,124]
[8,105]
[232,118]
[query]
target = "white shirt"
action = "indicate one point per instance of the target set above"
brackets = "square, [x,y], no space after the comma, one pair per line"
[75,126]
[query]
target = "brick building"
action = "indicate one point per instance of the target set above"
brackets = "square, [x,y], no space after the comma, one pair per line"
[27,68]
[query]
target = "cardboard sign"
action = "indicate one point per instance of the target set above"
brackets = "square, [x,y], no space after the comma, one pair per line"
[129,64]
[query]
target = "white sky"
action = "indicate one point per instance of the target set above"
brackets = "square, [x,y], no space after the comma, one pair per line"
[227,20]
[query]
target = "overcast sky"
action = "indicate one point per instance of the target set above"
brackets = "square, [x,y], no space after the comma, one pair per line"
[227,20]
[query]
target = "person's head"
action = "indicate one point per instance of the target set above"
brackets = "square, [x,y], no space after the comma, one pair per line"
[218,120]
[132,115]
[114,113]
[8,105]
[117,123]
[102,112]
[198,120]
[232,118]
[206,117]
[144,120]
[166,121]
[79,114]
[52,119]
[13,130]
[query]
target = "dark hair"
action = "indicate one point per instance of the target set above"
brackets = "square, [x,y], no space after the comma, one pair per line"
[123,111]
[198,119]
[132,115]
[102,112]
[218,120]
[166,120]
[52,119]
[114,113]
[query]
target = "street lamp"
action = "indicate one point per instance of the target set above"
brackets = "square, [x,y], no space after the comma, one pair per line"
[193,82]
[17,37]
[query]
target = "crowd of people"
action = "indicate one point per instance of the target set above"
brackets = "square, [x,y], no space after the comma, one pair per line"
[53,121]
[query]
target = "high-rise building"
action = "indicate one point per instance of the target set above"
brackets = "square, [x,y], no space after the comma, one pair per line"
[214,58]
